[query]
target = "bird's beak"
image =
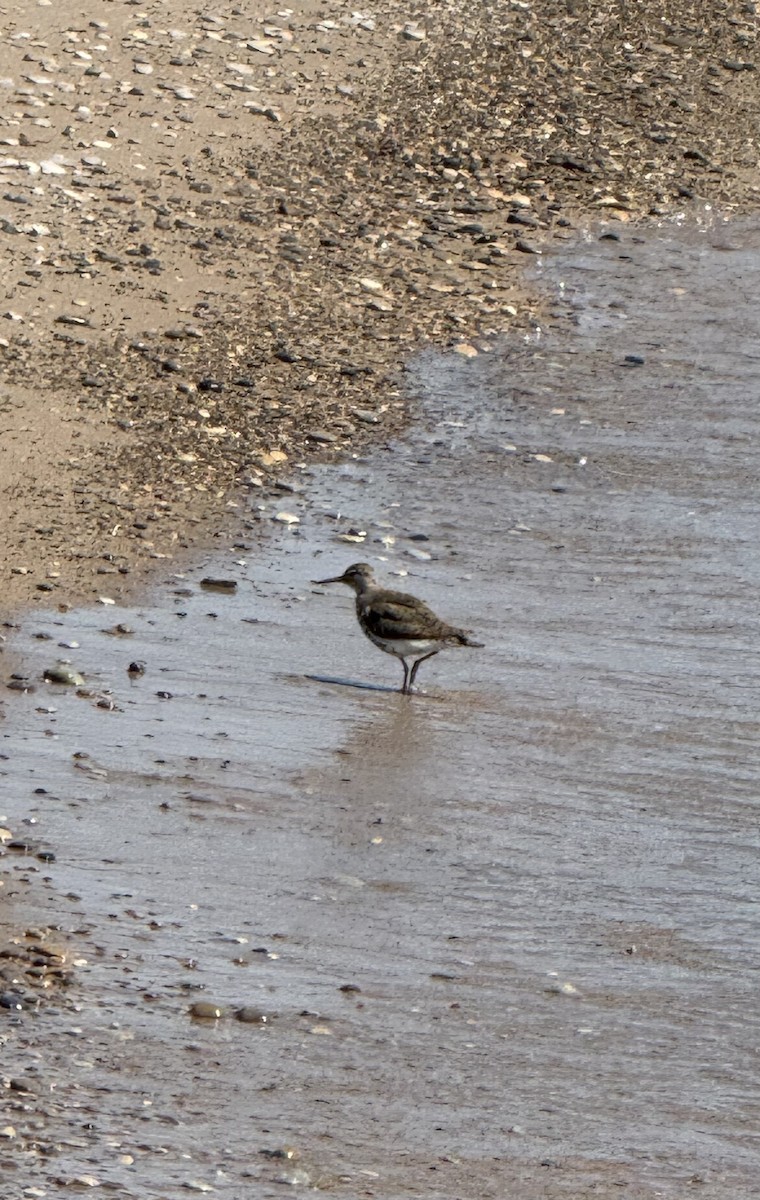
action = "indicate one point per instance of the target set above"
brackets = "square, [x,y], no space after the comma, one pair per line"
[335,579]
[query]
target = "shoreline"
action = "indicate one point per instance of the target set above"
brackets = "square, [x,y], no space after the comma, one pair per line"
[235,234]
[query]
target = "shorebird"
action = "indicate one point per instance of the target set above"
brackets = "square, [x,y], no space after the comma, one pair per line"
[398,623]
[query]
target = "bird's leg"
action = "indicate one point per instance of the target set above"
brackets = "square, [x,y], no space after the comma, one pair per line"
[405,685]
[417,665]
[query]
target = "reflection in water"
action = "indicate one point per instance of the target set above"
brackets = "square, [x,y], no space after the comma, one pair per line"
[395,745]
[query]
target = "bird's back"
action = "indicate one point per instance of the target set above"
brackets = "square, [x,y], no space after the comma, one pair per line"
[390,614]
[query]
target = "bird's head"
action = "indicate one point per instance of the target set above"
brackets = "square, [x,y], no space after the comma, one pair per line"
[358,576]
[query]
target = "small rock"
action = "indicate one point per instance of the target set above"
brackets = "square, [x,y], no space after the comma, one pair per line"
[260,46]
[68,319]
[321,435]
[206,1010]
[563,989]
[251,1016]
[526,247]
[271,458]
[210,584]
[51,166]
[296,1177]
[61,673]
[12,1000]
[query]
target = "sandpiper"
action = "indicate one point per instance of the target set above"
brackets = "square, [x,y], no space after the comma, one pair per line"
[398,623]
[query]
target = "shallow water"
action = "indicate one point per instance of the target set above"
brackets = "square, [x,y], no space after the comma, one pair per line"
[575,805]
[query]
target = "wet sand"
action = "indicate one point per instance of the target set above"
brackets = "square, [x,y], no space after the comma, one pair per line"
[541,874]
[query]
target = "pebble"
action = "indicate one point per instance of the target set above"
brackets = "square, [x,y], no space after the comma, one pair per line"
[211,584]
[206,1010]
[61,673]
[69,319]
[263,110]
[322,436]
[53,166]
[271,458]
[563,989]
[252,1016]
[12,1000]
[519,200]
[295,1176]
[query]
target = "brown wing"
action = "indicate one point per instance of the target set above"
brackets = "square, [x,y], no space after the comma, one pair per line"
[403,616]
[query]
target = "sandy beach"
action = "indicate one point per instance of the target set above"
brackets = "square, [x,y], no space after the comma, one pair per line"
[223,232]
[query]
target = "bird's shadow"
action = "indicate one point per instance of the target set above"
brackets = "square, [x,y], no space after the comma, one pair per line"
[339,681]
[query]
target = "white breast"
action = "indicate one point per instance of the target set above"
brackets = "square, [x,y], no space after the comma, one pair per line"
[405,647]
